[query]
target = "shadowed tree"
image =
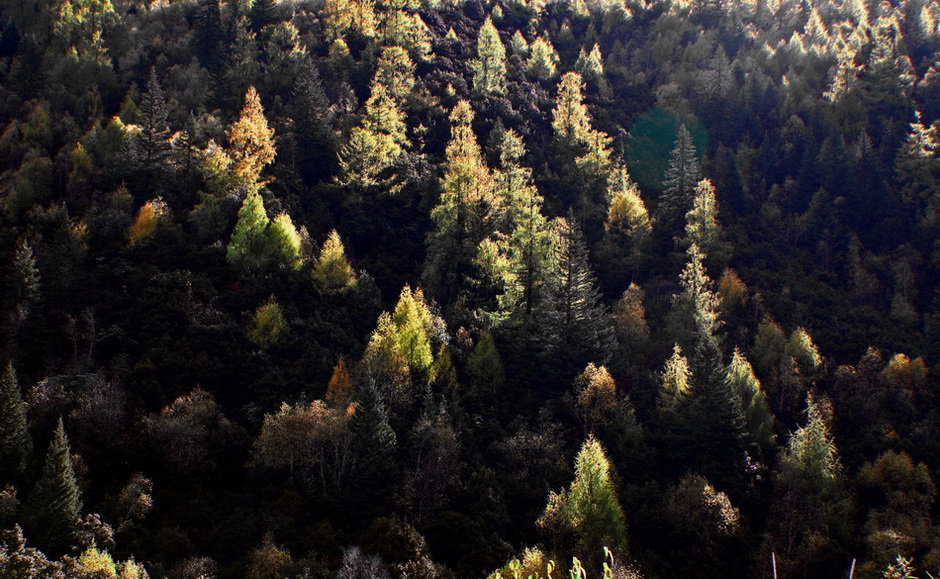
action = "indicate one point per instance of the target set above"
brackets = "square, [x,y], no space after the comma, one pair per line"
[16,445]
[54,505]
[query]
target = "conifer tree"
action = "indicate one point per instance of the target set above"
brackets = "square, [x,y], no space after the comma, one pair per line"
[310,110]
[54,504]
[675,381]
[332,272]
[251,142]
[529,236]
[375,145]
[587,516]
[701,221]
[489,68]
[23,282]
[376,446]
[543,59]
[249,247]
[16,445]
[396,72]
[694,314]
[285,241]
[570,119]
[680,180]
[758,418]
[626,212]
[154,130]
[464,217]
[577,324]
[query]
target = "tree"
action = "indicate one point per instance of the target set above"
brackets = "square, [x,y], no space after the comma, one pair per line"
[396,71]
[155,134]
[55,504]
[577,326]
[251,142]
[680,180]
[596,397]
[148,217]
[267,324]
[810,508]
[570,119]
[249,248]
[694,314]
[489,68]
[375,145]
[464,216]
[332,271]
[543,60]
[626,213]
[525,247]
[675,381]
[759,419]
[587,516]
[285,241]
[16,445]
[701,221]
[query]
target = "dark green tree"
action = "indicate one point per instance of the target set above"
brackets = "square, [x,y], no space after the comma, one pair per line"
[680,180]
[55,505]
[16,445]
[577,325]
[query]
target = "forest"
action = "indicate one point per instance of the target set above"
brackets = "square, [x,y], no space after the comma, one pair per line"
[440,289]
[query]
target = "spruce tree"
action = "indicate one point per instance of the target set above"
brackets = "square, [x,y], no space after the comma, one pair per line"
[249,247]
[680,180]
[55,504]
[16,445]
[251,142]
[577,325]
[489,68]
[154,130]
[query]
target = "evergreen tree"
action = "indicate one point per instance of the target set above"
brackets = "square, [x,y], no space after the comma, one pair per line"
[675,381]
[54,504]
[285,241]
[577,326]
[313,133]
[16,445]
[249,247]
[464,217]
[694,314]
[587,517]
[543,59]
[680,180]
[251,142]
[701,221]
[22,283]
[489,68]
[758,418]
[570,119]
[376,145]
[154,131]
[332,272]
[376,447]
[396,72]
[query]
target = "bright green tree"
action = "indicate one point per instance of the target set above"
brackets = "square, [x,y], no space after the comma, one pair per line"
[249,247]
[16,445]
[55,504]
[332,272]
[285,241]
[587,517]
[465,214]
[543,59]
[701,221]
[489,68]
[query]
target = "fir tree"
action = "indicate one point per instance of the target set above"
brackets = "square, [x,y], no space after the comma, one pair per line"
[332,272]
[376,445]
[154,131]
[249,247]
[489,68]
[543,59]
[251,142]
[16,445]
[587,517]
[680,180]
[758,418]
[577,325]
[376,145]
[54,504]
[464,217]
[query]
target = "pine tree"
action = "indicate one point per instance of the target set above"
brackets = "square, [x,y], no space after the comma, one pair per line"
[16,445]
[251,142]
[154,130]
[701,221]
[758,418]
[285,241]
[543,59]
[376,447]
[626,212]
[465,215]
[489,68]
[375,145]
[23,282]
[528,240]
[675,381]
[332,272]
[680,179]
[587,517]
[570,119]
[577,326]
[396,72]
[54,504]
[694,314]
[310,110]
[249,247]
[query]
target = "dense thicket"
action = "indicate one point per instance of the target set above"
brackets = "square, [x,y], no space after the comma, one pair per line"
[445,288]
